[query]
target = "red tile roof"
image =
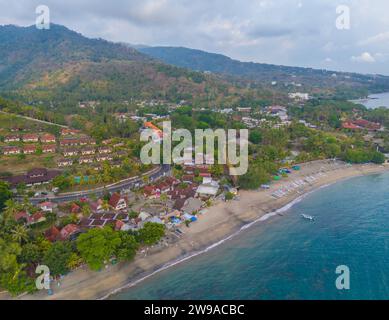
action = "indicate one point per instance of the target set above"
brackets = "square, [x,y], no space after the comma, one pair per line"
[115,198]
[119,224]
[52,234]
[22,215]
[68,231]
[37,216]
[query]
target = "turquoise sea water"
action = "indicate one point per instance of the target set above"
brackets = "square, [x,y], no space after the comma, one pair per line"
[291,258]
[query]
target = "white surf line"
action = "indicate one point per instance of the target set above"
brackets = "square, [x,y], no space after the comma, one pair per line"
[212,246]
[261,219]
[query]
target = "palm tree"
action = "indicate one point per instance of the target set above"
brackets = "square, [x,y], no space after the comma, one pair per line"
[19,234]
[27,206]
[146,179]
[11,209]
[86,211]
[105,205]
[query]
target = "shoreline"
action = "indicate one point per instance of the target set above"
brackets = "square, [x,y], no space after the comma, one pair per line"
[222,222]
[183,259]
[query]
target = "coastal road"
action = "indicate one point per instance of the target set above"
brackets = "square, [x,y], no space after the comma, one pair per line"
[121,186]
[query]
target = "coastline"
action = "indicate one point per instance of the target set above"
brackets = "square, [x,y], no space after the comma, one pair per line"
[222,222]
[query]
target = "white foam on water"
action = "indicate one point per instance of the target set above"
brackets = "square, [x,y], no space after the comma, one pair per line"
[214,245]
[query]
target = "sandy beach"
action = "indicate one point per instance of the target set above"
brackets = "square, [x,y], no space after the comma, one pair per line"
[222,221]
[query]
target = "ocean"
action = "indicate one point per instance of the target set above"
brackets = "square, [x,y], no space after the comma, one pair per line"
[375,101]
[288,257]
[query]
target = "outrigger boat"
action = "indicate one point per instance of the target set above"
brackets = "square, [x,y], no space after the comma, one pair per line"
[310,218]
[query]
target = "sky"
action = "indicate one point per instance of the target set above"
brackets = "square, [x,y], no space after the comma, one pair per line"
[346,35]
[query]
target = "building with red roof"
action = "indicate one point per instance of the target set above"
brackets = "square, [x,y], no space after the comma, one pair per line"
[37,217]
[48,138]
[52,234]
[155,129]
[350,126]
[22,215]
[29,149]
[118,202]
[75,208]
[49,148]
[69,232]
[151,192]
[30,137]
[12,150]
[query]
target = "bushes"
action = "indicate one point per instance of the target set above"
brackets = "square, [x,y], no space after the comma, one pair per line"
[57,258]
[363,156]
[151,233]
[99,245]
[5,194]
[257,174]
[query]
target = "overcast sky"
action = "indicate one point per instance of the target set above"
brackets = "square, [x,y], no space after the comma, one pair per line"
[289,32]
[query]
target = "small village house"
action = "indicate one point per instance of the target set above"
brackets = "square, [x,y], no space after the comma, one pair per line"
[48,138]
[65,162]
[30,149]
[30,137]
[118,202]
[49,148]
[12,150]
[12,138]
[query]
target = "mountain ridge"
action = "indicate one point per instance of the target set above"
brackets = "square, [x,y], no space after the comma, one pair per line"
[263,72]
[63,65]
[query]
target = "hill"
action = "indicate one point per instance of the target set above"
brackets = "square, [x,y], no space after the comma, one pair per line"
[289,78]
[62,66]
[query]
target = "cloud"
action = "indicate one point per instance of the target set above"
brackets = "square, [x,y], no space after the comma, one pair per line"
[365,57]
[379,38]
[288,32]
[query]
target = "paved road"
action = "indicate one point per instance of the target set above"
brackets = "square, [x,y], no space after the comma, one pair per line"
[35,120]
[125,185]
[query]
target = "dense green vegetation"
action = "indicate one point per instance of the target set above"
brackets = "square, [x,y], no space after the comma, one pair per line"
[5,194]
[22,248]
[276,146]
[344,85]
[61,68]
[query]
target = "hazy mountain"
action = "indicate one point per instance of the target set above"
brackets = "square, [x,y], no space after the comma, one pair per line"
[60,64]
[285,76]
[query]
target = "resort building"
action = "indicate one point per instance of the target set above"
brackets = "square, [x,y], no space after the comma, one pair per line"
[102,158]
[70,142]
[48,149]
[105,150]
[31,137]
[48,138]
[208,188]
[65,163]
[34,177]
[88,151]
[12,138]
[70,152]
[12,150]
[29,149]
[83,160]
[69,132]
